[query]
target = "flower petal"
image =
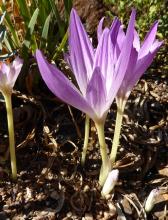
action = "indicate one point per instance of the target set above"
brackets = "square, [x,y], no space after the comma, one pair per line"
[15,70]
[61,86]
[120,38]
[96,93]
[145,62]
[81,51]
[114,30]
[127,83]
[149,39]
[104,57]
[124,58]
[100,29]
[136,42]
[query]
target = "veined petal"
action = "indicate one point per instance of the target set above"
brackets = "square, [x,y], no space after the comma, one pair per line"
[81,51]
[104,56]
[136,42]
[120,37]
[138,71]
[100,29]
[145,62]
[96,93]
[127,84]
[124,57]
[61,86]
[114,30]
[148,41]
[15,70]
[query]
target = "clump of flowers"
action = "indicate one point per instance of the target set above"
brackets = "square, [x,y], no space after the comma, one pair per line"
[98,72]
[8,76]
[101,73]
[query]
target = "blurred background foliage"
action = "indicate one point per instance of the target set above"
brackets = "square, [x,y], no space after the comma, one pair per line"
[147,12]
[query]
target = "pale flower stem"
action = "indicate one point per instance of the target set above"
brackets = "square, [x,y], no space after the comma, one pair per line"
[85,145]
[117,131]
[8,102]
[105,168]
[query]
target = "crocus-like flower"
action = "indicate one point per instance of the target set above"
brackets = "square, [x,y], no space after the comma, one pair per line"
[140,59]
[8,76]
[98,72]
[110,182]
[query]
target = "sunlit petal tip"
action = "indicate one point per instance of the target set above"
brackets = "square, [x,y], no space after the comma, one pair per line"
[100,28]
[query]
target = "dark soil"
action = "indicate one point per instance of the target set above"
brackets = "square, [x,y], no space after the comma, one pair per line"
[52,184]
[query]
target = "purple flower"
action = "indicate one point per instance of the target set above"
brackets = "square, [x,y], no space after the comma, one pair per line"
[9,74]
[140,59]
[99,72]
[141,55]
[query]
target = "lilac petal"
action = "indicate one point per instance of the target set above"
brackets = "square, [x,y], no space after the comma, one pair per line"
[148,41]
[15,70]
[96,93]
[61,86]
[123,60]
[4,69]
[120,38]
[145,62]
[140,68]
[81,51]
[136,42]
[100,29]
[114,29]
[127,84]
[104,58]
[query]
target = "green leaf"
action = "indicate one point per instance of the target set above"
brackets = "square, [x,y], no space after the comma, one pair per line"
[68,7]
[46,27]
[29,35]
[61,46]
[58,18]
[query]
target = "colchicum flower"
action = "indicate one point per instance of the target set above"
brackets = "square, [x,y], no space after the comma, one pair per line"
[140,59]
[8,76]
[99,73]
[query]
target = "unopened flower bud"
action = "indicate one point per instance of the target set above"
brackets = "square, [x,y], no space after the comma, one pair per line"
[150,202]
[110,182]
